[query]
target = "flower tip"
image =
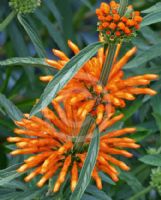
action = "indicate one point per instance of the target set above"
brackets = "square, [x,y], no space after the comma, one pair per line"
[27,179]
[10,139]
[19,123]
[121,116]
[56,187]
[153,93]
[41,182]
[22,168]
[73,185]
[69,42]
[54,51]
[26,115]
[15,152]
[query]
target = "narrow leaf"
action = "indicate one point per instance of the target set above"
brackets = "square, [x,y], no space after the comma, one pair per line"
[154,160]
[87,3]
[151,18]
[54,33]
[154,8]
[9,174]
[144,57]
[33,35]
[157,117]
[89,164]
[12,111]
[132,181]
[99,194]
[63,76]
[28,61]
[21,49]
[132,109]
[54,10]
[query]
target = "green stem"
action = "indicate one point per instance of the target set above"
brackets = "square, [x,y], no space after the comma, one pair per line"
[8,19]
[123,7]
[140,194]
[88,122]
[108,64]
[103,79]
[111,50]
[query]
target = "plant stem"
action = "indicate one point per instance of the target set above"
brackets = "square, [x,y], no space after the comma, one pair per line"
[111,50]
[143,192]
[108,64]
[103,79]
[8,19]
[88,122]
[123,7]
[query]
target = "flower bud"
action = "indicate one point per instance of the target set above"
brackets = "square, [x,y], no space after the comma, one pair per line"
[156,179]
[113,27]
[26,6]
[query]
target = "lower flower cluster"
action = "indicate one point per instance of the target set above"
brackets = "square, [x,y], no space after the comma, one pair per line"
[50,141]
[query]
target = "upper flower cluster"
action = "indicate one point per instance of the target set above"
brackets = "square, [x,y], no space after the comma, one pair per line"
[113,26]
[85,91]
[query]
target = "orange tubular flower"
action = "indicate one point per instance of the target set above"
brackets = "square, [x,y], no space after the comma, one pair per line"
[85,93]
[114,27]
[50,143]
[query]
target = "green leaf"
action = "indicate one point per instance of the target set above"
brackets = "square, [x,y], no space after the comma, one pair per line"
[8,177]
[155,102]
[2,111]
[31,194]
[12,111]
[54,10]
[25,195]
[99,194]
[21,49]
[154,160]
[132,181]
[106,179]
[154,8]
[87,3]
[64,75]
[9,169]
[27,61]
[88,197]
[157,117]
[152,18]
[89,164]
[132,109]
[141,134]
[33,35]
[53,32]
[144,57]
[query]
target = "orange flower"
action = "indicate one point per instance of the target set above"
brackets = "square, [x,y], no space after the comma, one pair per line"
[85,91]
[50,143]
[126,25]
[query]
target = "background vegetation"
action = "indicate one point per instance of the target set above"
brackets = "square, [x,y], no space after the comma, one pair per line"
[50,26]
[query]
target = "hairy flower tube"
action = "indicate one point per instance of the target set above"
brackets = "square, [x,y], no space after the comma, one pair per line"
[86,92]
[115,27]
[49,143]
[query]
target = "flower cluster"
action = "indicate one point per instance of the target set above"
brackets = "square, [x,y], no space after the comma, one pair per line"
[27,6]
[113,26]
[50,142]
[86,93]
[52,139]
